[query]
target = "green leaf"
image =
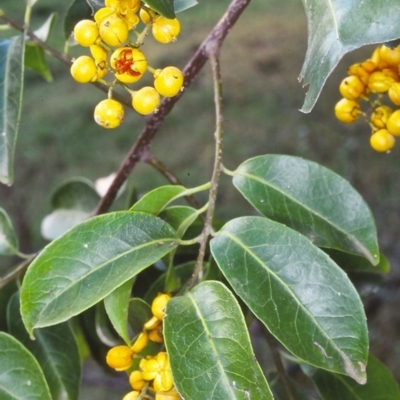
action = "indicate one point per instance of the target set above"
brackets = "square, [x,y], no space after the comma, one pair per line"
[77,10]
[163,7]
[209,346]
[312,200]
[73,201]
[156,200]
[139,312]
[104,328]
[305,300]
[8,237]
[11,86]
[44,31]
[351,263]
[75,194]
[181,5]
[180,217]
[55,349]
[117,306]
[336,27]
[20,373]
[35,60]
[95,4]
[91,260]
[381,384]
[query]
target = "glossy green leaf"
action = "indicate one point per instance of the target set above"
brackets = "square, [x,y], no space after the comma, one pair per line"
[78,10]
[209,346]
[163,7]
[117,307]
[6,293]
[95,4]
[311,199]
[352,263]
[180,217]
[72,201]
[20,374]
[155,201]
[139,312]
[381,384]
[75,194]
[91,260]
[336,27]
[181,5]
[305,300]
[55,349]
[8,237]
[11,86]
[35,60]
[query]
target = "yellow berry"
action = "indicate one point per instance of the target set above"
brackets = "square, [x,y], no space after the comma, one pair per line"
[169,81]
[119,358]
[351,88]
[382,140]
[156,335]
[380,116]
[165,30]
[393,123]
[140,343]
[152,323]
[347,111]
[103,13]
[132,395]
[390,56]
[377,59]
[394,93]
[86,32]
[144,16]
[100,56]
[131,19]
[146,100]
[84,69]
[114,31]
[136,380]
[130,64]
[168,395]
[123,6]
[109,114]
[362,70]
[380,81]
[159,304]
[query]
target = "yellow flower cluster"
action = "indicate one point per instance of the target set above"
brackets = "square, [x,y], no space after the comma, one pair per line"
[127,64]
[154,373]
[374,81]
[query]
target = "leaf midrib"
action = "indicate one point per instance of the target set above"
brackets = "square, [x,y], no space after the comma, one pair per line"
[286,287]
[352,238]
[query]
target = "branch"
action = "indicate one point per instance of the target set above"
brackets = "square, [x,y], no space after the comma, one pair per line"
[209,46]
[198,269]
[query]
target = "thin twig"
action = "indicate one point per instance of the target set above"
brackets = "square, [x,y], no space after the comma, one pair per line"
[272,343]
[192,69]
[198,269]
[15,273]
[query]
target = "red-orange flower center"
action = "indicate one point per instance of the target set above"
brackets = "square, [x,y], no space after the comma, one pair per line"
[126,64]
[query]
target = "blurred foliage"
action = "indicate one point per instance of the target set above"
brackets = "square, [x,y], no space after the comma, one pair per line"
[261,60]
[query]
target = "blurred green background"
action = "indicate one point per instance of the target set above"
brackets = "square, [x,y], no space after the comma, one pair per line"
[261,62]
